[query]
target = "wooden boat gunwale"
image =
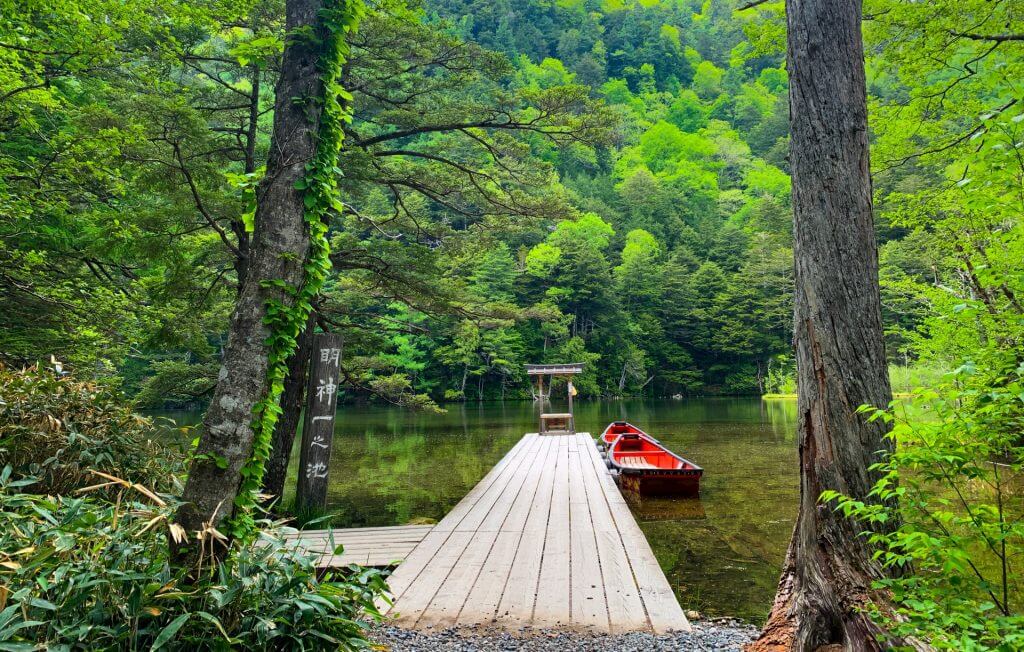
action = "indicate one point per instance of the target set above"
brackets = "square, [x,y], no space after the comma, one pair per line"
[639,430]
[692,470]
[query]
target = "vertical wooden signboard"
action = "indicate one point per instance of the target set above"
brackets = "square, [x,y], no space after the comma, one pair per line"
[318,424]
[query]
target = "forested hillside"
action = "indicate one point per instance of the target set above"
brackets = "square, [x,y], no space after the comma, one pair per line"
[562,194]
[596,181]
[676,280]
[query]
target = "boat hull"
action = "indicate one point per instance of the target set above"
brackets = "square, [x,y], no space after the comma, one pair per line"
[654,484]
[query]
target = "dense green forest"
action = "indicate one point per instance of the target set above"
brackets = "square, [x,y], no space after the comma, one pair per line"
[673,279]
[568,196]
[603,182]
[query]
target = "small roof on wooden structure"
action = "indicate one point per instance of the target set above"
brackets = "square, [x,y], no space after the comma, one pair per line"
[554,369]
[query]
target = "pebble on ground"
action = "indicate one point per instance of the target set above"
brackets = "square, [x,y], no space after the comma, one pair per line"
[710,635]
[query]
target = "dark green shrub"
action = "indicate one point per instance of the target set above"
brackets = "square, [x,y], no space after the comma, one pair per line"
[58,430]
[84,556]
[87,573]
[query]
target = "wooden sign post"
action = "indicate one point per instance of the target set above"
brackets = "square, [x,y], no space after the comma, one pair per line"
[318,424]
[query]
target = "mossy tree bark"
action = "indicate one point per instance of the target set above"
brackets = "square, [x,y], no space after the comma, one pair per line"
[280,249]
[840,353]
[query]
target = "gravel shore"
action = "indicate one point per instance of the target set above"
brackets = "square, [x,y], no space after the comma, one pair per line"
[718,635]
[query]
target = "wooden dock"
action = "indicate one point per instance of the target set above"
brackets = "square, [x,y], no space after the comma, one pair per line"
[366,546]
[544,540]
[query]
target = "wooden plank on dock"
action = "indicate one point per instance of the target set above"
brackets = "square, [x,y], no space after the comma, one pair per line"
[461,526]
[380,546]
[519,592]
[554,588]
[546,540]
[621,591]
[663,610]
[589,605]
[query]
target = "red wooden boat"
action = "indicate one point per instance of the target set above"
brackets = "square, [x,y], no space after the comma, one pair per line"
[646,466]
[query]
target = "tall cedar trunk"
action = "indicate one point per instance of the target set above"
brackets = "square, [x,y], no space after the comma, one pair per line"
[837,331]
[291,414]
[279,251]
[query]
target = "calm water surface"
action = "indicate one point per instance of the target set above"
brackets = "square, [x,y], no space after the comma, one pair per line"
[721,553]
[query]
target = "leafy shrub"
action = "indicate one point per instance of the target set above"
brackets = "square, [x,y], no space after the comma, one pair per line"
[86,573]
[59,429]
[957,476]
[87,567]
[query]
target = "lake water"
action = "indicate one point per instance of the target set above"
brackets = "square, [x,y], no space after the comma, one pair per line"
[722,552]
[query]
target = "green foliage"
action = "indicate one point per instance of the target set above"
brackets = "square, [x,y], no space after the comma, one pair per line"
[687,112]
[707,80]
[954,475]
[906,380]
[60,430]
[83,573]
[85,155]
[454,150]
[84,550]
[781,376]
[639,276]
[176,383]
[588,231]
[681,134]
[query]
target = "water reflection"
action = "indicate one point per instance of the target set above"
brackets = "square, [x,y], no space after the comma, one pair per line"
[722,553]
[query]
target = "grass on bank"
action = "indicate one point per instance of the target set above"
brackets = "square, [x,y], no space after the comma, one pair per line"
[905,380]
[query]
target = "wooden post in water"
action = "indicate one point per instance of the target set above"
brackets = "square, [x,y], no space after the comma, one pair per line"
[318,424]
[571,391]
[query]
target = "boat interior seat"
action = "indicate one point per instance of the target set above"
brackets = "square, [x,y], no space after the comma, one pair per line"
[635,462]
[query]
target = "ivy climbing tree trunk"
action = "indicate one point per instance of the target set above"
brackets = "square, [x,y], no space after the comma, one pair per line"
[840,353]
[287,265]
[291,414]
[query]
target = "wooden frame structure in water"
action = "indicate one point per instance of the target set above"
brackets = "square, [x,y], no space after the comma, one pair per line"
[555,423]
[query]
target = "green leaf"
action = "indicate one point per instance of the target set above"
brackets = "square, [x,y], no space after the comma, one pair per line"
[168,632]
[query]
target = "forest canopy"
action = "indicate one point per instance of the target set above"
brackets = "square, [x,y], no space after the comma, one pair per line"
[534,181]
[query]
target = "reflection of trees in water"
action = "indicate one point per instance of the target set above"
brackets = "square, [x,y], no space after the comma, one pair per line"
[391,479]
[780,414]
[728,563]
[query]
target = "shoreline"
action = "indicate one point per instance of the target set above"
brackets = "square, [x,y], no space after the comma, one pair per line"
[720,634]
[793,397]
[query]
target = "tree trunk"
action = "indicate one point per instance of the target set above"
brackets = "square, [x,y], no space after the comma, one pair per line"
[280,249]
[837,331]
[291,413]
